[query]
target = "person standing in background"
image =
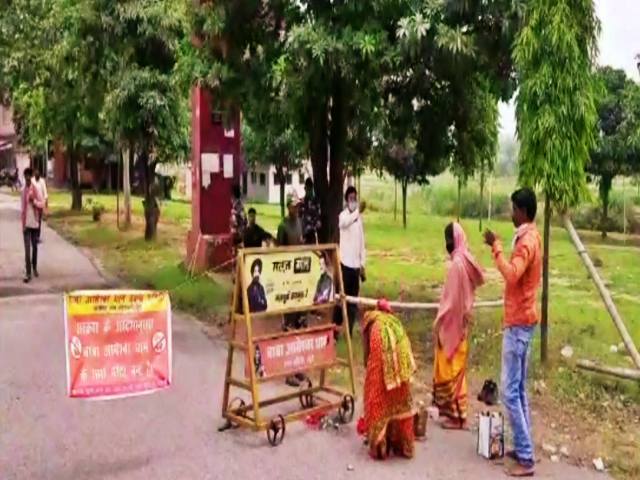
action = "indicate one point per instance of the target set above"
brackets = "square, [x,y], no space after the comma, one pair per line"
[255,235]
[238,216]
[352,253]
[522,274]
[41,185]
[31,208]
[290,234]
[310,214]
[290,229]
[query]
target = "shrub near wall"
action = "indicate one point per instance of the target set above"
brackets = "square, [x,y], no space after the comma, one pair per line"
[587,216]
[443,201]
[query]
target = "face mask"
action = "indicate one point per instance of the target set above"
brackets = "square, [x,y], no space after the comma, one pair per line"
[352,206]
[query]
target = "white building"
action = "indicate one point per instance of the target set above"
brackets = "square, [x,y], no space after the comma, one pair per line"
[260,183]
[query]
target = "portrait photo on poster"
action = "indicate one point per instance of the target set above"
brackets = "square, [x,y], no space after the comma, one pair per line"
[283,280]
[325,285]
[255,291]
[257,360]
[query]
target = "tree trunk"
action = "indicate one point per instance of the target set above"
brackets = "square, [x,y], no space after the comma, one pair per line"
[318,147]
[150,202]
[128,160]
[544,324]
[109,173]
[395,200]
[404,203]
[337,153]
[624,206]
[604,189]
[490,199]
[119,166]
[459,199]
[76,191]
[482,181]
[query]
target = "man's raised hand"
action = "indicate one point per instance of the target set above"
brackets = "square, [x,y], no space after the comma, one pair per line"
[489,237]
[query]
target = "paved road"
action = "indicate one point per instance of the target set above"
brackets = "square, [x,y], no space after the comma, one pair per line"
[61,267]
[172,434]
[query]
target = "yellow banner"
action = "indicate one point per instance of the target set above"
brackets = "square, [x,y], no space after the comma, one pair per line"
[92,302]
[281,280]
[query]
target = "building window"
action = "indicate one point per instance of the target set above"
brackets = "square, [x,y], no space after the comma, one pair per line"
[288,179]
[301,177]
[254,178]
[263,179]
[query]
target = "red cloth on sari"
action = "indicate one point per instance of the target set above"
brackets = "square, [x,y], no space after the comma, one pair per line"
[388,414]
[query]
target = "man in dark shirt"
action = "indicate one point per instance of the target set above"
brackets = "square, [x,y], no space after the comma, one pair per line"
[290,229]
[255,235]
[310,214]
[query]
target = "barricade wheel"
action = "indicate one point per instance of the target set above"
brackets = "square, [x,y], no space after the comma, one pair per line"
[276,430]
[347,409]
[238,404]
[306,398]
[235,404]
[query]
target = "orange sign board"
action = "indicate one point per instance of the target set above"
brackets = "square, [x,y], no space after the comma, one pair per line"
[118,343]
[294,353]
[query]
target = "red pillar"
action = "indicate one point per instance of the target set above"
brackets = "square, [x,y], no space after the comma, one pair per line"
[215,167]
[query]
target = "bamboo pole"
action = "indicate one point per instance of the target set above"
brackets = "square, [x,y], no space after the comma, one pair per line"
[372,302]
[604,293]
[620,372]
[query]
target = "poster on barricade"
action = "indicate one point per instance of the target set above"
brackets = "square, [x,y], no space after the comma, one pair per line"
[290,354]
[118,343]
[278,281]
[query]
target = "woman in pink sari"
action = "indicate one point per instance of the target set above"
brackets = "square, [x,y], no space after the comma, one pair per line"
[451,328]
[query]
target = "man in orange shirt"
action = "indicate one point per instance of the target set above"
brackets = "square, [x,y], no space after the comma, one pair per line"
[522,274]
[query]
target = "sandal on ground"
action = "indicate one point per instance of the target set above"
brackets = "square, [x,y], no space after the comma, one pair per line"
[449,424]
[518,470]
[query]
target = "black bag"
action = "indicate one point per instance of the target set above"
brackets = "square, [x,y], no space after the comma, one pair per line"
[489,393]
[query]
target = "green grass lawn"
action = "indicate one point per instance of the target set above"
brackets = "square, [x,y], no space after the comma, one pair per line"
[157,265]
[407,264]
[410,265]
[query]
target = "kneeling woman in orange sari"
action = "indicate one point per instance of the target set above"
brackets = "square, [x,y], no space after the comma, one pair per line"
[451,330]
[388,411]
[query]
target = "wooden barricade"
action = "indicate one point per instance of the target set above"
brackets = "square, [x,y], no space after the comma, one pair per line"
[274,289]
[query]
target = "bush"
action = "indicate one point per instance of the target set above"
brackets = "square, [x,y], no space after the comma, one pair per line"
[97,209]
[588,216]
[443,201]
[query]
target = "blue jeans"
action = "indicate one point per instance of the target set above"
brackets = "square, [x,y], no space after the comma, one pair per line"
[516,343]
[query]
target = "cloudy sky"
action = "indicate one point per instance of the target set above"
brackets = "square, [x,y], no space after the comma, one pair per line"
[619,43]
